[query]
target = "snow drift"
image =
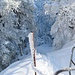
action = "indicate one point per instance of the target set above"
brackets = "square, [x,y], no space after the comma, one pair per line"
[24,67]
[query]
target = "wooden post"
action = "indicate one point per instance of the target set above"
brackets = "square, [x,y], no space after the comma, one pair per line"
[33,51]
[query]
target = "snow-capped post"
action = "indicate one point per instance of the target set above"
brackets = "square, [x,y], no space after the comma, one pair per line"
[33,51]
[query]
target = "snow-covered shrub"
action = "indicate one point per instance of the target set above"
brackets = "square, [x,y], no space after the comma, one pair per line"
[63,29]
[16,21]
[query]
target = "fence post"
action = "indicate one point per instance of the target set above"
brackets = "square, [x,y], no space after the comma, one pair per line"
[33,51]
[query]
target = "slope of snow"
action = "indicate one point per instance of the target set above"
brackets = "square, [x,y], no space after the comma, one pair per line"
[61,58]
[44,49]
[46,65]
[24,67]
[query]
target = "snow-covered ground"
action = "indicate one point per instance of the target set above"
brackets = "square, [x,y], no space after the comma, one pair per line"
[24,67]
[44,49]
[47,64]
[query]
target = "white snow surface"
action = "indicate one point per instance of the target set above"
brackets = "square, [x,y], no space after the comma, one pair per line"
[47,64]
[24,67]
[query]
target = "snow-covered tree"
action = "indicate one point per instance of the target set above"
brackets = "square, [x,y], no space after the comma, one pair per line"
[45,16]
[43,22]
[63,29]
[16,21]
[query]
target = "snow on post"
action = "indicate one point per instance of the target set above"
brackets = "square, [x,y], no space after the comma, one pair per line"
[31,41]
